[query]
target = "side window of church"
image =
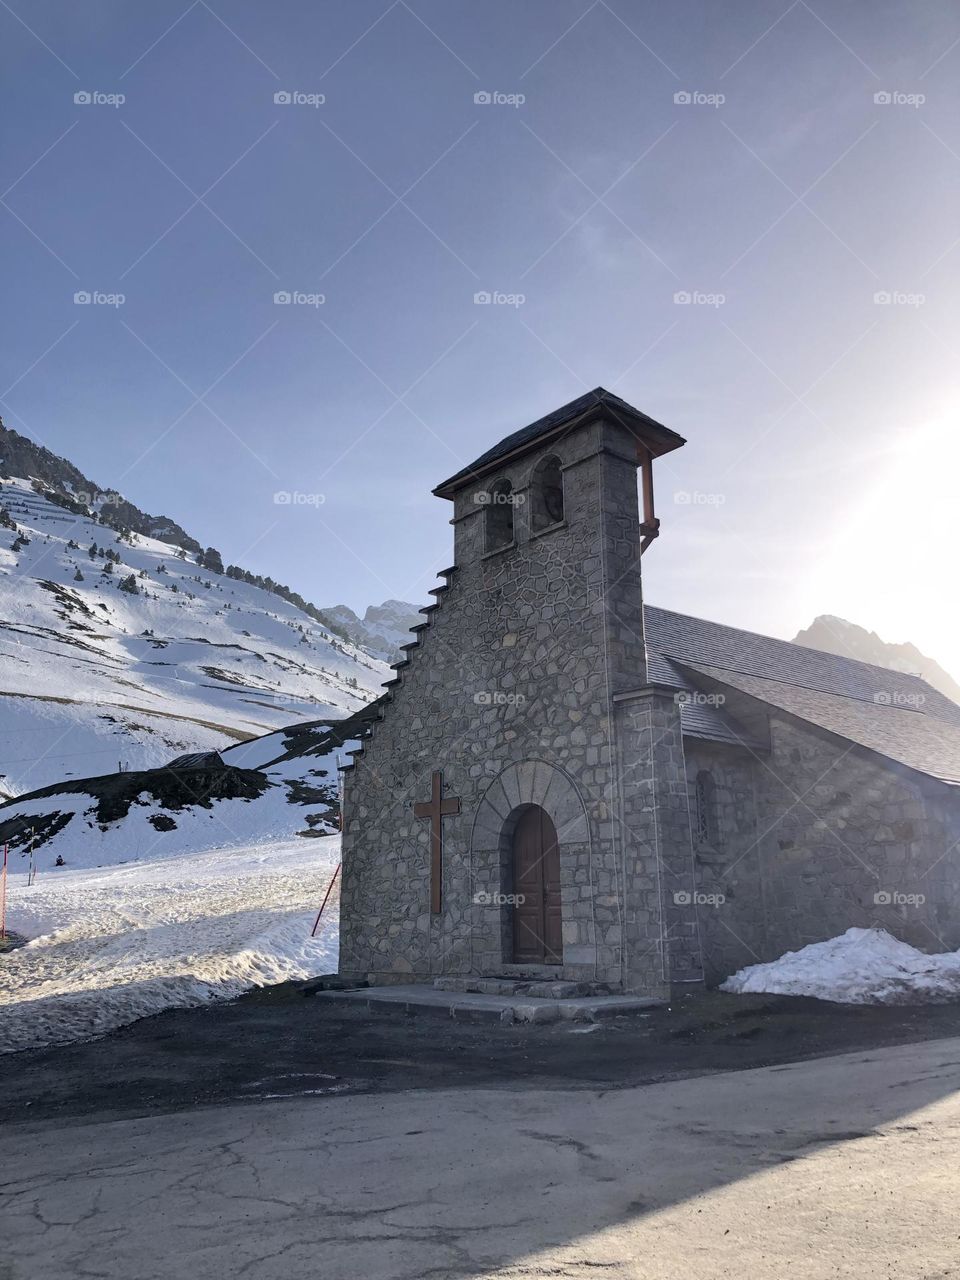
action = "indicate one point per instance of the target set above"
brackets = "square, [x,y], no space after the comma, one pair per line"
[705,799]
[546,488]
[499,531]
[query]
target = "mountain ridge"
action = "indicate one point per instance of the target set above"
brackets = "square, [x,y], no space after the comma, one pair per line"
[833,634]
[382,629]
[119,650]
[22,457]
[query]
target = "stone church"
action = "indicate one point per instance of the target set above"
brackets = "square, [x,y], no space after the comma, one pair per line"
[561,781]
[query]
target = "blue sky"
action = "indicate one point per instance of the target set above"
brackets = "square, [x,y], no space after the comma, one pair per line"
[822,423]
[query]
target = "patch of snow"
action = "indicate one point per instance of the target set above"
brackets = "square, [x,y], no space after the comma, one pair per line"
[109,947]
[861,966]
[257,752]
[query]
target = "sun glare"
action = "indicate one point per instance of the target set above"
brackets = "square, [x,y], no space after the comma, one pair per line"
[891,563]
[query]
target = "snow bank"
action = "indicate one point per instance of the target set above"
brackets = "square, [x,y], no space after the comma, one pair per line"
[111,946]
[861,966]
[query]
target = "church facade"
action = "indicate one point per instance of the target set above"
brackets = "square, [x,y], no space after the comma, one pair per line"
[562,782]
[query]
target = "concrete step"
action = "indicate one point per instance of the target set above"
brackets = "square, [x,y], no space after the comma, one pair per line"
[540,989]
[482,1007]
[332,982]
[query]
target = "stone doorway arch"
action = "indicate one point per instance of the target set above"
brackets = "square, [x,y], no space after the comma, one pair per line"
[525,787]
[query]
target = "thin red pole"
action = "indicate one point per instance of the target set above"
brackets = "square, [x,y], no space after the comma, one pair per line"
[3,896]
[313,931]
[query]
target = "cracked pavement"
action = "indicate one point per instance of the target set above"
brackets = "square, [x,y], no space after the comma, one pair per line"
[841,1166]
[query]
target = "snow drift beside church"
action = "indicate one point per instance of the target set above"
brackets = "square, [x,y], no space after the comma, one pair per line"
[861,966]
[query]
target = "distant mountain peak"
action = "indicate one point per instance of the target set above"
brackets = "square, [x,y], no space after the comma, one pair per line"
[831,634]
[381,630]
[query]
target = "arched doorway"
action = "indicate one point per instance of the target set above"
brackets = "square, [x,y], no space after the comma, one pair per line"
[537,926]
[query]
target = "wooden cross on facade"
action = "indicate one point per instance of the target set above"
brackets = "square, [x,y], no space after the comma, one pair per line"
[436,809]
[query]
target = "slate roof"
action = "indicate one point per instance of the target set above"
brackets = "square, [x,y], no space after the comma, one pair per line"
[660,439]
[700,718]
[895,714]
[198,760]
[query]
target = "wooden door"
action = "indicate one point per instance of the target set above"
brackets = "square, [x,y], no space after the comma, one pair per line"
[537,934]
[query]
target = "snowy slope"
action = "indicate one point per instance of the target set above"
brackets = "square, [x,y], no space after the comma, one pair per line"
[108,947]
[276,787]
[91,676]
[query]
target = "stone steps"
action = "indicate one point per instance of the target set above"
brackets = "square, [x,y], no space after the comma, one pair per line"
[471,1006]
[533,987]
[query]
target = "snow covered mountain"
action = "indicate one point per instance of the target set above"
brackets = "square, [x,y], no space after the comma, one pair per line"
[836,635]
[123,648]
[381,630]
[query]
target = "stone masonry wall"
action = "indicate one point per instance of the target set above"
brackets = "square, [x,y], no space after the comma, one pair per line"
[730,884]
[816,838]
[516,667]
[662,939]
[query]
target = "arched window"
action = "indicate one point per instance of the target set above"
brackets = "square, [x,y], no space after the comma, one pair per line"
[499,530]
[546,493]
[705,815]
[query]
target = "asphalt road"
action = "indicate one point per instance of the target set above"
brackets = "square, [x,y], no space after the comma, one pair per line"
[844,1166]
[253,1047]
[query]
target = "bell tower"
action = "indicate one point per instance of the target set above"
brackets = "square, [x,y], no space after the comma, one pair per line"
[504,712]
[553,511]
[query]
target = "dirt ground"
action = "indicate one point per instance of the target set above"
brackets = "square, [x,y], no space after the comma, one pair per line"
[283,1042]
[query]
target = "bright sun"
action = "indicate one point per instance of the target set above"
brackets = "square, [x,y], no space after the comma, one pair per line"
[894,556]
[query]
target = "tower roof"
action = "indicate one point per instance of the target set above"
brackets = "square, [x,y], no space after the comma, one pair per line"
[657,438]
